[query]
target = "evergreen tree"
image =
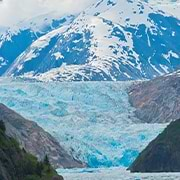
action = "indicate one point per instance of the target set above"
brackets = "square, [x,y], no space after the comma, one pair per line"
[2,126]
[39,169]
[46,160]
[47,163]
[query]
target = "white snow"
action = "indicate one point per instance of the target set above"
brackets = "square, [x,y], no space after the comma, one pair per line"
[35,48]
[3,62]
[107,50]
[171,53]
[169,6]
[37,24]
[58,55]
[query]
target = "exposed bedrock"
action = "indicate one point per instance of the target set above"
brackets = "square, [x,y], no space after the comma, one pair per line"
[158,100]
[35,140]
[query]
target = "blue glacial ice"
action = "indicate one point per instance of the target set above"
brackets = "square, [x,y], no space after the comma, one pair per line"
[93,121]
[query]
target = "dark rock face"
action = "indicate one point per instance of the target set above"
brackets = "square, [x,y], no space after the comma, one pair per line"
[162,154]
[157,100]
[57,178]
[35,140]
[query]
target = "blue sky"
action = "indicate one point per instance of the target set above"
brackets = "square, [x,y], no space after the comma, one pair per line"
[12,11]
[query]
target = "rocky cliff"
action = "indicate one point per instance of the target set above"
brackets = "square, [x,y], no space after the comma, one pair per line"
[35,140]
[162,154]
[157,100]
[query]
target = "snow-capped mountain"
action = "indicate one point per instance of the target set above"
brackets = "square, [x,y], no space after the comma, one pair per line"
[170,6]
[14,40]
[111,40]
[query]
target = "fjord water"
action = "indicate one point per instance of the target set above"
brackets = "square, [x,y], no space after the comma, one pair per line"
[114,174]
[93,121]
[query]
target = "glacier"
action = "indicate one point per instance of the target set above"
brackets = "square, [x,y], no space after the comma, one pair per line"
[93,121]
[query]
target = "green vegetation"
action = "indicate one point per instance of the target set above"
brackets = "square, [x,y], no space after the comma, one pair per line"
[2,126]
[162,154]
[17,164]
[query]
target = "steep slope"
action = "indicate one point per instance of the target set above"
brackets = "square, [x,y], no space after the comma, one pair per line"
[111,40]
[16,164]
[35,140]
[15,40]
[162,154]
[158,100]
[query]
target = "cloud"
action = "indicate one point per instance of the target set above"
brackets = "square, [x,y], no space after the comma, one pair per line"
[12,11]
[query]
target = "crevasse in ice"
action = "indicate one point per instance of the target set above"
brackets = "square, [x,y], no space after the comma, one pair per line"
[93,121]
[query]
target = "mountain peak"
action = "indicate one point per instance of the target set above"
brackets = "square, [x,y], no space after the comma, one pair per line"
[111,40]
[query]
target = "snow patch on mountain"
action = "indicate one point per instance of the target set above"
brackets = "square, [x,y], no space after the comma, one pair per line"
[169,6]
[15,40]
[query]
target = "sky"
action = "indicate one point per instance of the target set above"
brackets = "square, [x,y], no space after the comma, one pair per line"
[12,11]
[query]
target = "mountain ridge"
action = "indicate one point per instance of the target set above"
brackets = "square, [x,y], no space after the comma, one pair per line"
[35,140]
[162,154]
[111,40]
[14,40]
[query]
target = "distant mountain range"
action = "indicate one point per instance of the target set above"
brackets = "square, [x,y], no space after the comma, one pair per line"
[111,40]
